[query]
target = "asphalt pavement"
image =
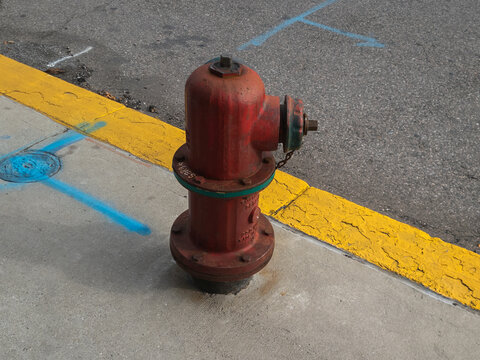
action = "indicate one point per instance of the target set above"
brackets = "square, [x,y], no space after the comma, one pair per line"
[394,85]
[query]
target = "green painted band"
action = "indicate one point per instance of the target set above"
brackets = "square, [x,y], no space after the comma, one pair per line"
[224,195]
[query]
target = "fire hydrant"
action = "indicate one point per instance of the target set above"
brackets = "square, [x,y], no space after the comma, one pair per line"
[232,127]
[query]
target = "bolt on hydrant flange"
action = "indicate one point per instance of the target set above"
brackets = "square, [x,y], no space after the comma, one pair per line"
[232,127]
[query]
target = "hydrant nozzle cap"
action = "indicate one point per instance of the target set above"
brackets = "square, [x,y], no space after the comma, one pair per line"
[309,125]
[312,125]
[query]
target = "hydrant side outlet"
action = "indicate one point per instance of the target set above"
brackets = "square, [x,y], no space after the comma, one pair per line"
[231,128]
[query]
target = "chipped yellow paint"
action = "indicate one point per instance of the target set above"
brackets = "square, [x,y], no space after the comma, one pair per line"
[447,269]
[284,189]
[141,135]
[53,97]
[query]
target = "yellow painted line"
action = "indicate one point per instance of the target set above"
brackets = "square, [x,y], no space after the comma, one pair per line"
[445,268]
[54,97]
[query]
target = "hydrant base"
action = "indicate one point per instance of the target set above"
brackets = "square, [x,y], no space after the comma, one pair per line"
[221,266]
[214,287]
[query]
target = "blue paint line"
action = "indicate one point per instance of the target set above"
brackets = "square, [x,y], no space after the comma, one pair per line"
[367,41]
[85,127]
[67,139]
[70,137]
[5,137]
[259,40]
[4,156]
[92,128]
[316,8]
[113,214]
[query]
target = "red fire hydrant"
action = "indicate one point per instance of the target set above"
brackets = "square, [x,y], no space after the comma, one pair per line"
[232,127]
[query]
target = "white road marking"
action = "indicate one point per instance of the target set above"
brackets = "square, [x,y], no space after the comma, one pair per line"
[53,63]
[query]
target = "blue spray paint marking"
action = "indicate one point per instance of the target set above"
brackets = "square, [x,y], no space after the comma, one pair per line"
[259,40]
[5,137]
[70,137]
[85,127]
[366,41]
[26,166]
[18,150]
[115,215]
[29,166]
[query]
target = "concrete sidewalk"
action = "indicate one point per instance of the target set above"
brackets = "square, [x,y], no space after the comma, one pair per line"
[86,273]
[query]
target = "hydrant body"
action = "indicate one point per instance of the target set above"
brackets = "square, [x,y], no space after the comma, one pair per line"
[231,128]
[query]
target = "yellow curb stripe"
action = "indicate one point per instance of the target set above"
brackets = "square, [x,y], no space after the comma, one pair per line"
[51,96]
[445,268]
[282,191]
[141,135]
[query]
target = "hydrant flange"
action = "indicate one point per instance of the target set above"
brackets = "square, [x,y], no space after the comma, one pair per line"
[222,188]
[224,266]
